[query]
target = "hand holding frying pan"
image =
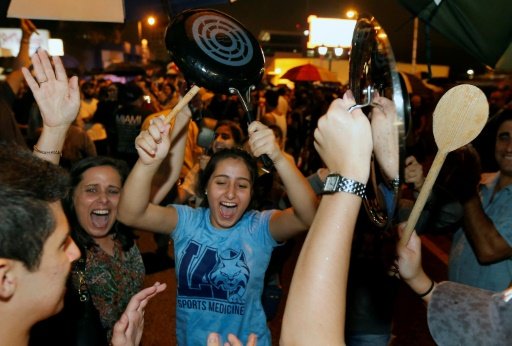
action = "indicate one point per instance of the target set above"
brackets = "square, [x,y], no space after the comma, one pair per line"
[215,51]
[459,117]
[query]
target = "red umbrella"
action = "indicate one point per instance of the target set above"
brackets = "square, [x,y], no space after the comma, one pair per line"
[309,73]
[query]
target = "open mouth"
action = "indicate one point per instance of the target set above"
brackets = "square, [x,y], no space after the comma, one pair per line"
[228,210]
[100,217]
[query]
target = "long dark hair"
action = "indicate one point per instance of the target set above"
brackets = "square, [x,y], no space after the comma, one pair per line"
[121,232]
[234,153]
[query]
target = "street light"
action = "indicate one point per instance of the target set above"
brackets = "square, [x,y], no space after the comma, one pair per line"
[351,14]
[150,20]
[145,54]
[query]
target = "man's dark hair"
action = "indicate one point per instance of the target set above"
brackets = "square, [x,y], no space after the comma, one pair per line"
[28,185]
[496,122]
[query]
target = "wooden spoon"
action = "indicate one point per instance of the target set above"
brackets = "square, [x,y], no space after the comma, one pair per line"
[459,117]
[182,103]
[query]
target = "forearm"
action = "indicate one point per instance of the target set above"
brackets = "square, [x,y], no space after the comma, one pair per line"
[318,287]
[300,193]
[488,244]
[422,284]
[50,143]
[15,78]
[135,196]
[171,168]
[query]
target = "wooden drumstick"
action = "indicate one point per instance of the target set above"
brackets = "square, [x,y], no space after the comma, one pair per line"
[182,103]
[458,118]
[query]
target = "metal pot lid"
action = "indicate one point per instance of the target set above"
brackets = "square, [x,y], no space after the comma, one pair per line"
[372,67]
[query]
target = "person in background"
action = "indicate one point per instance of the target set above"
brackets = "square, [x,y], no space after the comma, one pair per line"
[9,130]
[128,121]
[88,105]
[482,247]
[228,135]
[272,114]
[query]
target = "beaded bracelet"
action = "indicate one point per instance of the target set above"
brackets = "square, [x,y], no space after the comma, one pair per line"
[428,291]
[50,152]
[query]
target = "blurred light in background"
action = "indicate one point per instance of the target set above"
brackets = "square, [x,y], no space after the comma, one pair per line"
[330,32]
[55,47]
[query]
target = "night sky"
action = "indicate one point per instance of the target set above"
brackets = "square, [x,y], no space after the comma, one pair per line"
[394,18]
[291,15]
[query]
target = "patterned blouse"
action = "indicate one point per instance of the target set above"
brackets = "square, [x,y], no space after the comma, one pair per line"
[113,280]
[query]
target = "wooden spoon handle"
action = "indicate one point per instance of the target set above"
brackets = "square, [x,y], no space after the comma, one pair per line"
[423,196]
[182,103]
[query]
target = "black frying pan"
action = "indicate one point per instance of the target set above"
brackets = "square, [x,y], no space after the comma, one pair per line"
[215,51]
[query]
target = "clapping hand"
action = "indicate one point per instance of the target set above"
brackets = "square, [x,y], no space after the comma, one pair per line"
[128,329]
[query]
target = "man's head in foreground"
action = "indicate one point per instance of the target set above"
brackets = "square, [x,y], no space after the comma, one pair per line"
[36,250]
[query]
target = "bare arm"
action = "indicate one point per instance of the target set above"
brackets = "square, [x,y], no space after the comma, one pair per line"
[167,176]
[487,242]
[315,310]
[58,99]
[409,266]
[135,208]
[15,78]
[285,224]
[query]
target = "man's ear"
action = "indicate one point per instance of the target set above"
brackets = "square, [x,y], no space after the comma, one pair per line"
[7,278]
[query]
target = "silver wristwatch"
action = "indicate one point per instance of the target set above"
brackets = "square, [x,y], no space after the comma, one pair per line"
[337,183]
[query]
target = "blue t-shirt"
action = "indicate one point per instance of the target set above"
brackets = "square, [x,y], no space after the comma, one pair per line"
[220,275]
[464,266]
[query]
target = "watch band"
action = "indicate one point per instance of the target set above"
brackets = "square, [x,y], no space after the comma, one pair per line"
[338,183]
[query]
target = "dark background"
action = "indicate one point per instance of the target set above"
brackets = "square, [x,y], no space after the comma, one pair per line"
[282,15]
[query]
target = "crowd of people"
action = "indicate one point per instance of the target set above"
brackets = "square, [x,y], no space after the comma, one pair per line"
[126,169]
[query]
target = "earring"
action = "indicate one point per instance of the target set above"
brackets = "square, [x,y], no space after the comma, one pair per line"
[206,193]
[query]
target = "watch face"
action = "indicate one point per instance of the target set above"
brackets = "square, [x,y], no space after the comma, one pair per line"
[331,183]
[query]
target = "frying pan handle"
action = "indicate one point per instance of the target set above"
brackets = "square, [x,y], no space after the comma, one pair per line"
[246,102]
[267,162]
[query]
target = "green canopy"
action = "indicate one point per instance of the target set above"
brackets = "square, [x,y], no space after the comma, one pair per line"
[483,28]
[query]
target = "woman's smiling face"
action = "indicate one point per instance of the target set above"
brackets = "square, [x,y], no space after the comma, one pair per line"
[96,198]
[229,192]
[223,139]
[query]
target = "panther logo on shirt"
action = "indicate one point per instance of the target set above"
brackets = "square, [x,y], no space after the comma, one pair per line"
[205,272]
[231,274]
